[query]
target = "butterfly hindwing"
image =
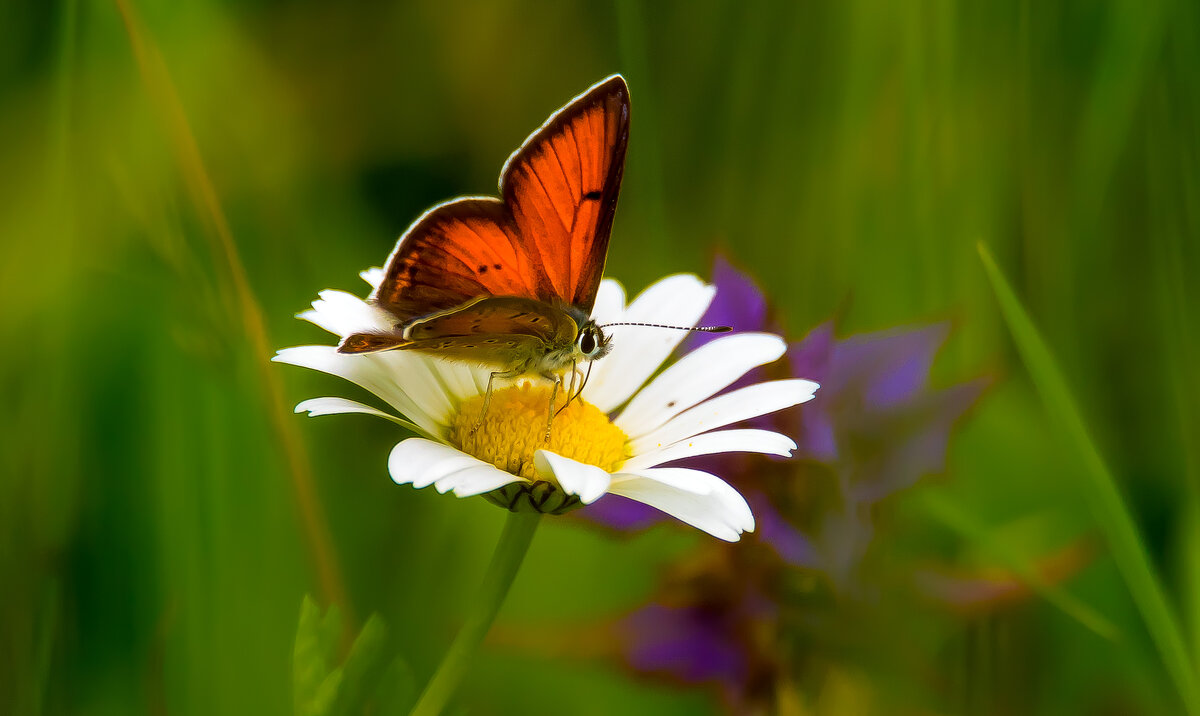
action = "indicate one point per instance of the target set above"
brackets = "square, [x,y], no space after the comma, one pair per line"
[481,349]
[486,325]
[496,315]
[546,239]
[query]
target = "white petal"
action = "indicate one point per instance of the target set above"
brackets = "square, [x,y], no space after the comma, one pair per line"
[638,351]
[577,478]
[422,379]
[703,483]
[475,480]
[698,375]
[373,276]
[369,372]
[425,462]
[344,313]
[337,406]
[610,302]
[692,496]
[461,380]
[741,404]
[762,441]
[419,378]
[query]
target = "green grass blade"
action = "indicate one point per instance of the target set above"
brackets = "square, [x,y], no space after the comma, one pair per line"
[161,90]
[1113,515]
[632,49]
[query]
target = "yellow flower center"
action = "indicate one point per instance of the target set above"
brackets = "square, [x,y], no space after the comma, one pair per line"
[514,428]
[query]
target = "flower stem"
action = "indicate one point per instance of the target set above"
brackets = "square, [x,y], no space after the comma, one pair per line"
[506,560]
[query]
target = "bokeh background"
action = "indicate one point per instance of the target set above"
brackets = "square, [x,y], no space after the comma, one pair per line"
[179,179]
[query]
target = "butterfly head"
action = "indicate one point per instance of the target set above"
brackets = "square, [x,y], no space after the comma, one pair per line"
[592,343]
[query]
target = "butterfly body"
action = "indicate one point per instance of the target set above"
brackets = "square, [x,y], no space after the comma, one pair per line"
[510,334]
[508,283]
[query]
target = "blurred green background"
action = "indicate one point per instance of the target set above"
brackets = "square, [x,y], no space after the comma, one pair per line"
[180,178]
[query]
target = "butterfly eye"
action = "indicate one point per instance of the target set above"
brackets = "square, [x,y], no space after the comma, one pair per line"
[587,342]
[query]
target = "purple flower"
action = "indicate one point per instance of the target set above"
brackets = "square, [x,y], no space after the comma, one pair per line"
[739,303]
[712,623]
[689,642]
[876,415]
[874,428]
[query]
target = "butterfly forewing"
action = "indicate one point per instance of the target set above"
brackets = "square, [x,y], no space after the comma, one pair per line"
[456,252]
[562,186]
[546,239]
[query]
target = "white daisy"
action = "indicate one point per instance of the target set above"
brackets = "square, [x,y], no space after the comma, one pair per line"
[615,440]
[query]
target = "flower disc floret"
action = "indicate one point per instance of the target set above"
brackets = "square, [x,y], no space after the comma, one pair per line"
[514,428]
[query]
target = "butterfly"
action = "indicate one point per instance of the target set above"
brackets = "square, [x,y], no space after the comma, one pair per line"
[509,283]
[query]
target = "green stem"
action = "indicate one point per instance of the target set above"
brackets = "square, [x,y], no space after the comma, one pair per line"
[506,560]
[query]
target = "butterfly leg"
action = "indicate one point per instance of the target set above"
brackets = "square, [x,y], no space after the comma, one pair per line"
[487,396]
[550,413]
[571,394]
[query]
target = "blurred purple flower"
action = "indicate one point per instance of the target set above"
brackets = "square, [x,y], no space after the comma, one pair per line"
[875,427]
[876,416]
[739,303]
[713,623]
[691,643]
[875,423]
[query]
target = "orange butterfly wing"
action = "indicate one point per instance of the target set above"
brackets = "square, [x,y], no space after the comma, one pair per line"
[546,239]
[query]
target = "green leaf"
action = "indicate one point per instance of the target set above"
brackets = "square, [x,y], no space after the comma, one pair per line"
[1101,489]
[397,690]
[309,657]
[364,666]
[325,701]
[369,681]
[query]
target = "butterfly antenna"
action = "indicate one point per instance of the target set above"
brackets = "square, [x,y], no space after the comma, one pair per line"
[698,329]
